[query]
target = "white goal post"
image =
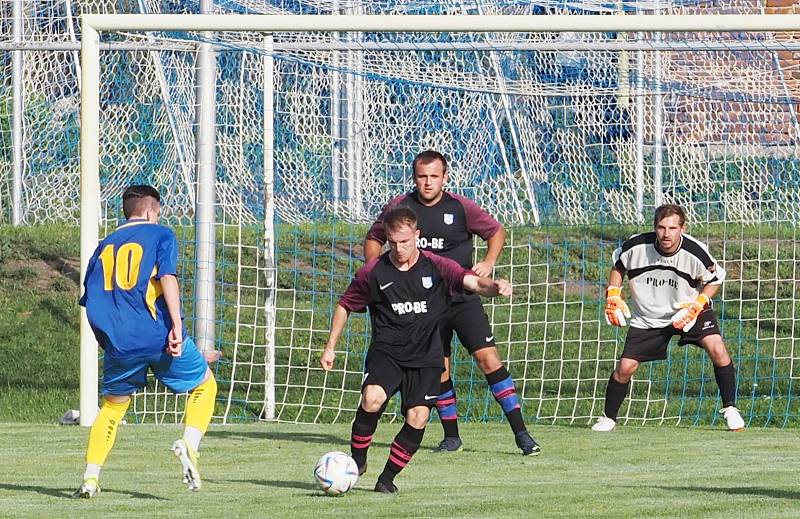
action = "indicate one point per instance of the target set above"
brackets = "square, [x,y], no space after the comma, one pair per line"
[93,25]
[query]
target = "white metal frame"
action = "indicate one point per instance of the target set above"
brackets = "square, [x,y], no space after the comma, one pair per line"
[93,24]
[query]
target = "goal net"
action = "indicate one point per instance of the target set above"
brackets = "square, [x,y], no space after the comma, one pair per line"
[569,137]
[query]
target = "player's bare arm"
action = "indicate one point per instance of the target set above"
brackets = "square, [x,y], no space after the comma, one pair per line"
[494,246]
[487,287]
[338,323]
[372,249]
[169,287]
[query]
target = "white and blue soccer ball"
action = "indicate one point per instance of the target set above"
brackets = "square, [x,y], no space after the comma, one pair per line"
[336,472]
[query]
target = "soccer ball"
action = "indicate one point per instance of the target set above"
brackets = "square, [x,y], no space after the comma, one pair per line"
[336,473]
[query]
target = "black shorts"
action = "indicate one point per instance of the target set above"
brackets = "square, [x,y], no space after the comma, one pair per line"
[469,320]
[651,344]
[417,386]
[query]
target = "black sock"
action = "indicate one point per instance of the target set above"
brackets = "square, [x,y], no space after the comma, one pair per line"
[615,395]
[364,426]
[404,446]
[726,380]
[446,406]
[502,387]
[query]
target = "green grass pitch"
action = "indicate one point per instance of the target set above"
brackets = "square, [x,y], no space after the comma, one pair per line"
[265,470]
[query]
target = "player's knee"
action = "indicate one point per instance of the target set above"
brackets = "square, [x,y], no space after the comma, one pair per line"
[373,398]
[718,353]
[488,360]
[625,372]
[417,417]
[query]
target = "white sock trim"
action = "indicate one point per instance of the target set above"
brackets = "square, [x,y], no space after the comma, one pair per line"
[192,437]
[92,470]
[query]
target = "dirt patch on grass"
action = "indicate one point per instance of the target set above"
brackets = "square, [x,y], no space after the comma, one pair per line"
[44,274]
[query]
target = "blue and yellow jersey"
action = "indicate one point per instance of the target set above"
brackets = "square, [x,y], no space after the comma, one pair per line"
[122,291]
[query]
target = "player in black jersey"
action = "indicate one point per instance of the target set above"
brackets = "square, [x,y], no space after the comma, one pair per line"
[447,223]
[672,277]
[407,291]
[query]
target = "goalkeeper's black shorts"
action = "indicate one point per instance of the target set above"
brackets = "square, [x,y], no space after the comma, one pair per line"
[651,344]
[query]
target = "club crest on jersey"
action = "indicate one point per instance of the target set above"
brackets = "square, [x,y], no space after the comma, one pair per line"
[448,218]
[427,281]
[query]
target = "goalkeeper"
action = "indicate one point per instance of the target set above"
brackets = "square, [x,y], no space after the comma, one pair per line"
[672,280]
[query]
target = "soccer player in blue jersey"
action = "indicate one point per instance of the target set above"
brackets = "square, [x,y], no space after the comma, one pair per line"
[133,305]
[447,224]
[408,292]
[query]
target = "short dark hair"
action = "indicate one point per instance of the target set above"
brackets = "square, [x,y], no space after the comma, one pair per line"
[667,210]
[400,215]
[426,157]
[135,199]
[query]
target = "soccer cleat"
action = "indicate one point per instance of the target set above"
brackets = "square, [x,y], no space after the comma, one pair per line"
[385,487]
[527,444]
[362,469]
[604,424]
[733,417]
[188,459]
[450,444]
[89,489]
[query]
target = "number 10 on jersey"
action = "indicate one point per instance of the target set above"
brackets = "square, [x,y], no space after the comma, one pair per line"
[122,266]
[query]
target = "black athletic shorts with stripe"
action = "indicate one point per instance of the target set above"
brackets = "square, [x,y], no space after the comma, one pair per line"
[417,386]
[469,320]
[651,344]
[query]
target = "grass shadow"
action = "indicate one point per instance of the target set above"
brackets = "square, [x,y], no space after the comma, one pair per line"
[313,488]
[322,439]
[66,493]
[773,493]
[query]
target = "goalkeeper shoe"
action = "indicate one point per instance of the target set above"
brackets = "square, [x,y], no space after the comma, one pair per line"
[450,444]
[527,444]
[733,417]
[89,489]
[385,487]
[604,424]
[188,458]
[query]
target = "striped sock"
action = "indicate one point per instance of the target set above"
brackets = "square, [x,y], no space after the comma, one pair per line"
[446,406]
[364,426]
[502,387]
[404,446]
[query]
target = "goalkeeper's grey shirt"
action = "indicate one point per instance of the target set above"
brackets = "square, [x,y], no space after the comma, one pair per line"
[659,282]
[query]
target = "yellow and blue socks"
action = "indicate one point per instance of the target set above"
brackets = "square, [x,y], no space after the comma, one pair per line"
[102,436]
[199,410]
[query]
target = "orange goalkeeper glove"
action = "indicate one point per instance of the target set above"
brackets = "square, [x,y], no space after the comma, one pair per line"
[687,316]
[616,309]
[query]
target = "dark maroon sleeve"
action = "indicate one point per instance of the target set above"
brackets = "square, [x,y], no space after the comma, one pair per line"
[356,297]
[452,273]
[377,232]
[478,221]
